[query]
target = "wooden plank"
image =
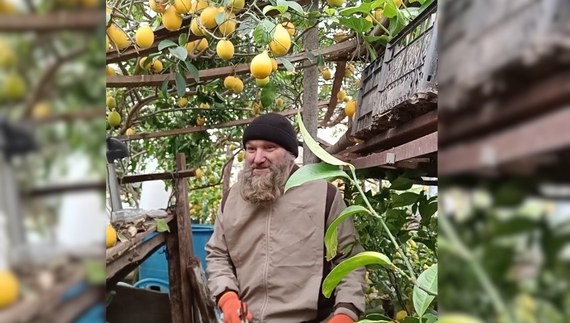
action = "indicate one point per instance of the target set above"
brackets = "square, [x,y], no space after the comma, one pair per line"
[135,255]
[338,76]
[64,188]
[168,133]
[199,285]
[71,310]
[178,250]
[84,20]
[155,176]
[132,81]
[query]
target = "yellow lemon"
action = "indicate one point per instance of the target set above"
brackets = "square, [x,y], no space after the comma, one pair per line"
[198,173]
[378,14]
[142,61]
[10,288]
[156,66]
[335,3]
[182,102]
[212,180]
[118,37]
[279,102]
[326,74]
[289,27]
[144,37]
[261,66]
[109,71]
[199,6]
[228,25]
[240,156]
[111,102]
[262,82]
[14,87]
[110,236]
[401,315]
[236,5]
[229,82]
[273,65]
[225,49]
[107,44]
[281,42]
[238,85]
[341,95]
[195,29]
[130,132]
[171,19]
[114,119]
[157,6]
[208,16]
[200,121]
[349,108]
[182,6]
[40,110]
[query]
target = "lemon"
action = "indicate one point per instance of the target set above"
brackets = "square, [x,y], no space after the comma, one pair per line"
[142,63]
[261,66]
[326,74]
[346,99]
[341,95]
[238,85]
[10,288]
[171,19]
[228,25]
[412,243]
[208,16]
[182,102]
[198,173]
[199,6]
[281,42]
[14,87]
[378,14]
[279,102]
[195,29]
[182,6]
[192,212]
[109,71]
[157,5]
[236,5]
[114,118]
[118,37]
[225,49]
[144,37]
[156,66]
[130,132]
[40,110]
[338,37]
[273,65]
[240,156]
[262,82]
[110,236]
[348,73]
[229,82]
[289,27]
[7,56]
[349,108]
[212,180]
[401,315]
[111,102]
[200,121]
[204,105]
[202,44]
[107,44]
[335,3]
[357,83]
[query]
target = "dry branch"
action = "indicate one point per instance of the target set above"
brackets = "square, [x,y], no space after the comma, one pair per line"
[338,76]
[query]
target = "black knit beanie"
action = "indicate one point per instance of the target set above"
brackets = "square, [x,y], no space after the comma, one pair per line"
[275,128]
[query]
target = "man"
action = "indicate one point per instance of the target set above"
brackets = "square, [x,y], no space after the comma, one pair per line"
[267,249]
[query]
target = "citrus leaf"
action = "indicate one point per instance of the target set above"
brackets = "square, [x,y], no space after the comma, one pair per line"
[404,199]
[281,9]
[390,9]
[180,84]
[165,44]
[331,241]
[311,172]
[121,237]
[263,33]
[161,226]
[348,265]
[108,18]
[268,94]
[179,52]
[401,184]
[427,210]
[220,17]
[285,63]
[428,281]
[182,39]
[164,86]
[193,70]
[315,148]
[295,6]
[357,24]
[94,272]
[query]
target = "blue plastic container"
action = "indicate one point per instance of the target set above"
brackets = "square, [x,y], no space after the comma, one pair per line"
[156,265]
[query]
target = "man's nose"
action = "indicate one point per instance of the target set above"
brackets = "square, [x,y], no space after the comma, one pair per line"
[259,156]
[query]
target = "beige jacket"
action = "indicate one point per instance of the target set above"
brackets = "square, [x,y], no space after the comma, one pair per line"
[274,258]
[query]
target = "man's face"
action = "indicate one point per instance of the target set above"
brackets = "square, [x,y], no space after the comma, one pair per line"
[261,154]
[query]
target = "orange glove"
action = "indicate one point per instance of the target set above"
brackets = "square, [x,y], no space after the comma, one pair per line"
[341,318]
[229,303]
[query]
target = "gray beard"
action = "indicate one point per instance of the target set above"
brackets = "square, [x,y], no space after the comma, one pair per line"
[266,188]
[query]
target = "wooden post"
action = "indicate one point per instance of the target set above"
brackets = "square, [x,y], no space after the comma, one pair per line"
[179,250]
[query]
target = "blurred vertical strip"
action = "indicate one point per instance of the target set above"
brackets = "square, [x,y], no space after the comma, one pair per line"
[52,169]
[504,152]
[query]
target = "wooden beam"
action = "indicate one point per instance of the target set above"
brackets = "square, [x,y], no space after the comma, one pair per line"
[64,188]
[178,251]
[155,176]
[55,21]
[219,72]
[338,76]
[134,255]
[168,133]
[85,114]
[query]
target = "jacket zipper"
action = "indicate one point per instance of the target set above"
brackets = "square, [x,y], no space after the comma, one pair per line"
[266,266]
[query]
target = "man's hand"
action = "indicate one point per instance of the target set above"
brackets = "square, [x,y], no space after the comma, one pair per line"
[341,318]
[230,304]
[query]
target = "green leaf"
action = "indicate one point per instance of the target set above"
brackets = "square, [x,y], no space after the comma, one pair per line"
[427,210]
[331,241]
[108,18]
[121,237]
[428,281]
[329,11]
[316,148]
[429,318]
[390,10]
[164,86]
[348,265]
[365,8]
[295,6]
[411,319]
[320,60]
[220,17]
[161,226]
[373,39]
[310,56]
[357,24]
[263,33]
[401,184]
[94,272]
[285,63]
[397,24]
[180,84]
[404,199]
[311,172]
[268,95]
[165,44]
[193,70]
[281,9]
[182,39]
[179,52]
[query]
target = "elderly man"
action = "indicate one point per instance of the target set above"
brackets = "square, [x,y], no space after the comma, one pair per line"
[267,250]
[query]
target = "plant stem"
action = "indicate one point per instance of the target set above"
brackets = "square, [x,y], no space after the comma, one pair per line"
[414,281]
[478,270]
[356,183]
